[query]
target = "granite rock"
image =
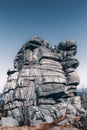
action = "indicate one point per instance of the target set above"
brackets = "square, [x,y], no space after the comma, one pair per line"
[42,85]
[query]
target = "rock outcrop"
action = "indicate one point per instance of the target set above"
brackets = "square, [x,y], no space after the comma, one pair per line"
[42,85]
[83,100]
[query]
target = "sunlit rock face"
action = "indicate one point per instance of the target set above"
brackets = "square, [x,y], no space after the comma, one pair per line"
[42,84]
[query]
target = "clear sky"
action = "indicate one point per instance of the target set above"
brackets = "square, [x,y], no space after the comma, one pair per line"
[54,20]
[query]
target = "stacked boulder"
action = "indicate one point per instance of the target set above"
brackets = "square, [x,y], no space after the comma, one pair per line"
[68,50]
[42,85]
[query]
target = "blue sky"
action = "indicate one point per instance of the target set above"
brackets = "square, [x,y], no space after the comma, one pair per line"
[54,20]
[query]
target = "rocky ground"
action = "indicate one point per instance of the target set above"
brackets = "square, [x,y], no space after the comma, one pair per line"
[51,126]
[54,125]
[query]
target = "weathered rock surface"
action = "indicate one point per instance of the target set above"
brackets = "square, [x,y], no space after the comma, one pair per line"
[42,85]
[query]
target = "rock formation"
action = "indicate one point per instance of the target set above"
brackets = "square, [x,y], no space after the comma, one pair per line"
[42,85]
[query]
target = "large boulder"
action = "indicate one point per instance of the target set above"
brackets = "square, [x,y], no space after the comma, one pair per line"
[8,122]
